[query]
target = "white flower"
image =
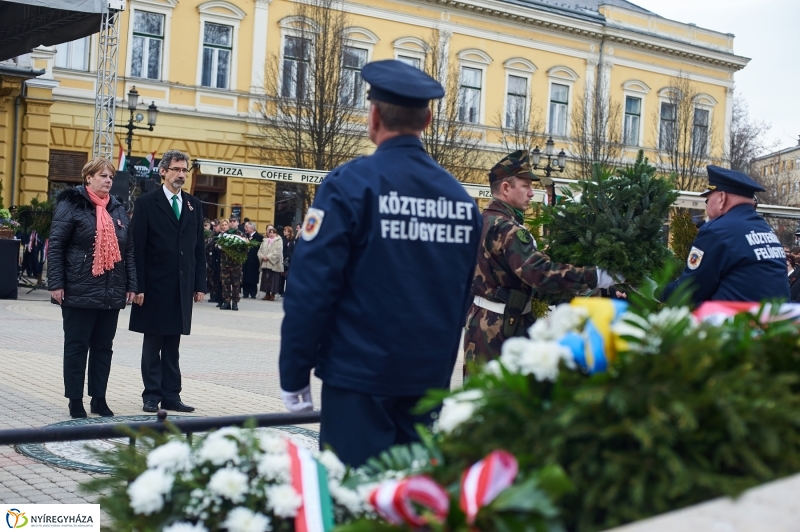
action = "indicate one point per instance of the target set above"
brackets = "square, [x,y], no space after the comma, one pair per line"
[272,444]
[647,331]
[493,368]
[173,456]
[245,520]
[283,500]
[346,497]
[536,358]
[148,490]
[185,527]
[332,464]
[563,319]
[218,450]
[275,467]
[458,409]
[229,483]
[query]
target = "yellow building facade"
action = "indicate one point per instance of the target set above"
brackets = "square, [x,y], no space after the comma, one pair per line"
[203,64]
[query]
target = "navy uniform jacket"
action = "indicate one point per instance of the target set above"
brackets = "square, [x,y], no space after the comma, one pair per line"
[735,257]
[377,298]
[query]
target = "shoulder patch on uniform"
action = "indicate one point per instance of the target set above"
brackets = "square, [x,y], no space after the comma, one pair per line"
[694,258]
[312,223]
[524,236]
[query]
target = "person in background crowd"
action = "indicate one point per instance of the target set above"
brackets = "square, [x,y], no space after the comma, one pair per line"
[92,275]
[252,268]
[212,264]
[169,249]
[736,256]
[270,253]
[230,272]
[206,225]
[378,292]
[32,255]
[298,230]
[288,249]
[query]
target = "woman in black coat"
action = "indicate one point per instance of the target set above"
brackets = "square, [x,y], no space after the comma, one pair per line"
[91,274]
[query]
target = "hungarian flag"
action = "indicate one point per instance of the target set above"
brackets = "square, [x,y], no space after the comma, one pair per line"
[310,480]
[121,165]
[151,159]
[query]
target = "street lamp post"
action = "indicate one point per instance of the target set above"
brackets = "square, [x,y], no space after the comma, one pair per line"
[555,163]
[152,114]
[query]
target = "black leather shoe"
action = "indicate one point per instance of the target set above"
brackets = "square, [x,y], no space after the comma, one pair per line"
[234,306]
[98,405]
[150,406]
[225,306]
[179,406]
[76,409]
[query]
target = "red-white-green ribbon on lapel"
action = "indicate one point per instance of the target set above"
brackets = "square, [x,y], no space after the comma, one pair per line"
[310,480]
[485,480]
[393,500]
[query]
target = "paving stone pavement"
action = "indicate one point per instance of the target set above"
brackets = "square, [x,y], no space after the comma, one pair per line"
[229,366]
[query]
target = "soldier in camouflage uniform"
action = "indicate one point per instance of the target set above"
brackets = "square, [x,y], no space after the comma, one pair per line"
[212,265]
[510,269]
[230,273]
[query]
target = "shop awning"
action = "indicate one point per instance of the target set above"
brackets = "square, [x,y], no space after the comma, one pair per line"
[26,24]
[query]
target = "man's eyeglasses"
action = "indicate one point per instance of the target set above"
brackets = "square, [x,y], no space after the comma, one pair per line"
[178,170]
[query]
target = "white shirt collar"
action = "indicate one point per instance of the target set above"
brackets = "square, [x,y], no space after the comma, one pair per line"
[169,195]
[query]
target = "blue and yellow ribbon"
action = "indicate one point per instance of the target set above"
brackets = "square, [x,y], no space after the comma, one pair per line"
[597,347]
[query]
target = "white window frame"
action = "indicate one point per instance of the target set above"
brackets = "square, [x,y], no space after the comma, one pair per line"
[289,29]
[364,39]
[69,54]
[521,68]
[152,7]
[636,89]
[705,102]
[561,75]
[663,97]
[411,47]
[232,17]
[479,60]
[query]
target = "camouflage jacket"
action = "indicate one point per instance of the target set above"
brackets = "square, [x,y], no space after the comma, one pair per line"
[508,257]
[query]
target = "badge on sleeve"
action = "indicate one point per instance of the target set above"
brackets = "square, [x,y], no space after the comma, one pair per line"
[312,223]
[524,236]
[694,258]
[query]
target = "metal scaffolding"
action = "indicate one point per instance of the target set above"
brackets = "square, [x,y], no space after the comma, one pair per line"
[106,100]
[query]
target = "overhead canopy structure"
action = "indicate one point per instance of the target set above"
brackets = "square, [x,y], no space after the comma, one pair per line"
[26,24]
[686,199]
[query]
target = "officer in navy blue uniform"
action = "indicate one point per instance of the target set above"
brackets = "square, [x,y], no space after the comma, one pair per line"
[736,255]
[380,281]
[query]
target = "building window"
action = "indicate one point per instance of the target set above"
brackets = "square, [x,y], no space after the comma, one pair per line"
[73,55]
[353,86]
[559,103]
[516,100]
[217,50]
[296,62]
[666,129]
[700,131]
[413,61]
[148,44]
[469,97]
[633,117]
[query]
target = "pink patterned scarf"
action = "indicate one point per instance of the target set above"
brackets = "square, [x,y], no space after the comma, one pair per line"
[106,246]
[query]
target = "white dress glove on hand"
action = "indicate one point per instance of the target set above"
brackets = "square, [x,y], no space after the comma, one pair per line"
[606,280]
[298,401]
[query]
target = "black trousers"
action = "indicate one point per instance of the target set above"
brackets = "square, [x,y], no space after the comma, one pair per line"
[161,372]
[249,289]
[357,426]
[91,332]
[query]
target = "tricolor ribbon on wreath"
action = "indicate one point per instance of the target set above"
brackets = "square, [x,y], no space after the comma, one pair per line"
[397,501]
[310,480]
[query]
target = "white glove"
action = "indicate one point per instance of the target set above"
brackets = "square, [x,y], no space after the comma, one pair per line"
[298,401]
[606,280]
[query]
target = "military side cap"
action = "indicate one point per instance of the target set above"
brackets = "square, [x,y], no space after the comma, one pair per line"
[515,164]
[395,82]
[730,181]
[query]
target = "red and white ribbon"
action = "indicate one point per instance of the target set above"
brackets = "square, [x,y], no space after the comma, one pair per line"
[392,500]
[485,480]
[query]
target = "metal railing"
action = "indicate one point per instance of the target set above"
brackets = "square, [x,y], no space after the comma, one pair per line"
[186,425]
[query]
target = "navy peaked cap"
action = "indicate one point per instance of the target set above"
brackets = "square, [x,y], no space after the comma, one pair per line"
[395,82]
[730,181]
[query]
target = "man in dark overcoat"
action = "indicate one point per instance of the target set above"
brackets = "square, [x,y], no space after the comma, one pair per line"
[169,250]
[251,270]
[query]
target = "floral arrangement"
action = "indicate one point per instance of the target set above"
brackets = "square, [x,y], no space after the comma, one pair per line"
[38,216]
[645,410]
[235,246]
[6,222]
